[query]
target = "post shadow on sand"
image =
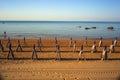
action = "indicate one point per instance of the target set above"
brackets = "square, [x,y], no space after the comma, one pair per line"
[10,52]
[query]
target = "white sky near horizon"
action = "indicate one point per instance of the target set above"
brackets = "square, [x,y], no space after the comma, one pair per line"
[60,10]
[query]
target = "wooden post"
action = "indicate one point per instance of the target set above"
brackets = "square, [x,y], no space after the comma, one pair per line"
[112,47]
[74,46]
[80,53]
[56,41]
[10,52]
[5,35]
[70,42]
[93,49]
[1,47]
[40,44]
[115,42]
[85,42]
[24,41]
[34,53]
[19,48]
[8,42]
[58,55]
[100,42]
[104,55]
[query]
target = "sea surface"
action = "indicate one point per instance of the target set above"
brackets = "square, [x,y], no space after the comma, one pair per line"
[60,29]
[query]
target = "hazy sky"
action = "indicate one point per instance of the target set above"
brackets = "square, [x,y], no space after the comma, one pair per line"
[82,10]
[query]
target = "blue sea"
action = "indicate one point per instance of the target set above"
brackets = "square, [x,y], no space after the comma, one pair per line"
[60,29]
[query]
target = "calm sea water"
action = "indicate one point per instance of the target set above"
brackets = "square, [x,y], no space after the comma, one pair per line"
[60,29]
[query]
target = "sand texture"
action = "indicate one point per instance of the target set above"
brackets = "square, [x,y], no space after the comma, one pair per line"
[90,67]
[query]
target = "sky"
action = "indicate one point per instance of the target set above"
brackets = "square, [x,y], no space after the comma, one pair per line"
[60,10]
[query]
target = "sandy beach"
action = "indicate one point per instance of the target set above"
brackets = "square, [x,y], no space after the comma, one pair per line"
[91,67]
[59,39]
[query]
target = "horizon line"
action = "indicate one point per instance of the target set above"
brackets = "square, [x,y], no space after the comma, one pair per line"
[61,20]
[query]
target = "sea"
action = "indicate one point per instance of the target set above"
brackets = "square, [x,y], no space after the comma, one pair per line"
[60,29]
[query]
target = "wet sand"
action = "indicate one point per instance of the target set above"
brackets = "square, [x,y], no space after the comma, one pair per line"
[68,68]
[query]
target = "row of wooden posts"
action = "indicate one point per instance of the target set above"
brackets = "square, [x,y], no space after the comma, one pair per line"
[58,54]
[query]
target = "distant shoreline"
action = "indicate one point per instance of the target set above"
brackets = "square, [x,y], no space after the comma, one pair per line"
[89,38]
[57,21]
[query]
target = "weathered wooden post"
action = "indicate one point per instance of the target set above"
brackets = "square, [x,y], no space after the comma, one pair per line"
[112,47]
[100,42]
[40,44]
[104,55]
[80,55]
[5,35]
[70,42]
[58,55]
[24,41]
[10,52]
[19,47]
[56,41]
[93,49]
[34,53]
[85,41]
[115,42]
[1,47]
[8,41]
[74,46]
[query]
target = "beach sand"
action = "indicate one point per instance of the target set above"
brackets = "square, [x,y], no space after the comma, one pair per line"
[68,68]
